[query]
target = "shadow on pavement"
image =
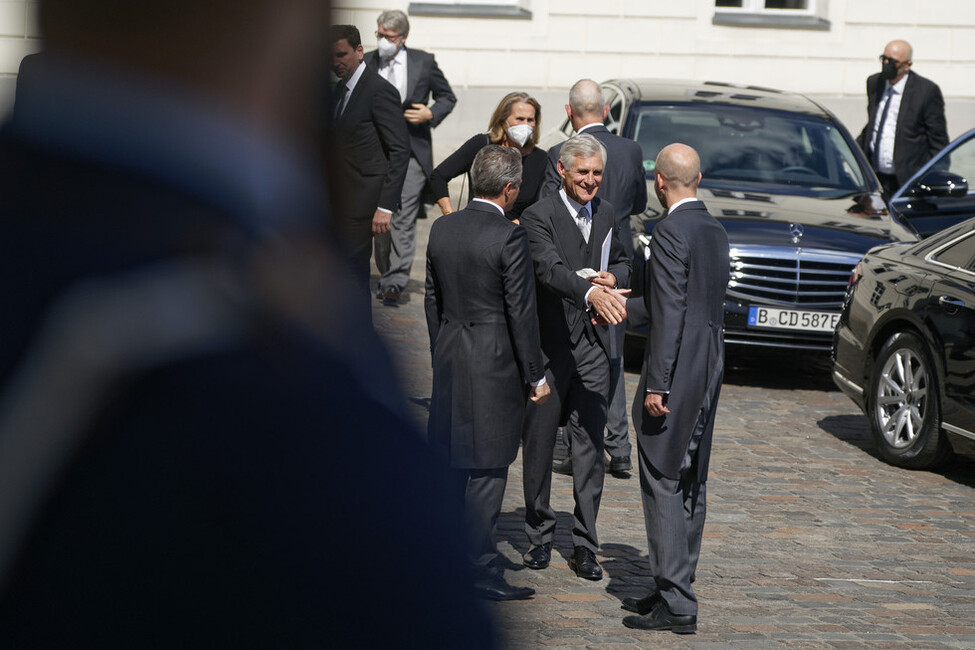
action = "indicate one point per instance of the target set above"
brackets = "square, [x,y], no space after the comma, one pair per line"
[855,430]
[781,369]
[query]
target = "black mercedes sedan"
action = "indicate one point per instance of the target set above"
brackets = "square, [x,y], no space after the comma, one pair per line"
[904,348]
[786,179]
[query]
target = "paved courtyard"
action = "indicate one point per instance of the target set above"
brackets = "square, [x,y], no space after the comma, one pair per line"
[811,540]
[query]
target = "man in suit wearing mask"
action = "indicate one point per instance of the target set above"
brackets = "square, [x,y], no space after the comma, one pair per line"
[905,118]
[417,78]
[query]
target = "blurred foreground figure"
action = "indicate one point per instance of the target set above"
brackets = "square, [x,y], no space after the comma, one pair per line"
[183,358]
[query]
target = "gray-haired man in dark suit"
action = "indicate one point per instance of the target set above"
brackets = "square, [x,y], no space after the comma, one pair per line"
[579,262]
[624,186]
[480,307]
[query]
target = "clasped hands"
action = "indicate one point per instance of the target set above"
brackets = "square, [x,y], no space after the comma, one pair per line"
[608,304]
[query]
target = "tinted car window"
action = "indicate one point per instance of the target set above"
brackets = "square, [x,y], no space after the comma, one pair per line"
[770,151]
[961,161]
[961,254]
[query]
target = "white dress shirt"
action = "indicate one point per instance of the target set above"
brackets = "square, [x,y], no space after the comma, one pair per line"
[885,144]
[395,68]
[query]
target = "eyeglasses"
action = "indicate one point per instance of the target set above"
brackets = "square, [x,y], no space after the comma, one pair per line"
[887,59]
[388,37]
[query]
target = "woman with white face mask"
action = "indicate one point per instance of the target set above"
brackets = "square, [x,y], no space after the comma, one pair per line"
[515,123]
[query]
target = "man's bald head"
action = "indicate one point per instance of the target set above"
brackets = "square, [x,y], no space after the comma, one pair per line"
[679,164]
[899,51]
[586,99]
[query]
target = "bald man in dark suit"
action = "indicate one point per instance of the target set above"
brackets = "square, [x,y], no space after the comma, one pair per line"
[677,396]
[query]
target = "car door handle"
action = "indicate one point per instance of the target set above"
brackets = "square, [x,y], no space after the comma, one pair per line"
[950,305]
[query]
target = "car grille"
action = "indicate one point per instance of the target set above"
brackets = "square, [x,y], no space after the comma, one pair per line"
[812,279]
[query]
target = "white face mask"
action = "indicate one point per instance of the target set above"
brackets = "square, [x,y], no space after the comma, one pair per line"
[519,133]
[387,49]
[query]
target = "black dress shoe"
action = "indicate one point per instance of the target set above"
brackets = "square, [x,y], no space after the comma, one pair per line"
[661,618]
[538,557]
[496,588]
[641,605]
[619,464]
[583,562]
[391,297]
[565,467]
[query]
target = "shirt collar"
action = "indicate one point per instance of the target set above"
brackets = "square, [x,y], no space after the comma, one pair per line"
[79,109]
[491,203]
[689,199]
[899,86]
[572,206]
[356,75]
[588,126]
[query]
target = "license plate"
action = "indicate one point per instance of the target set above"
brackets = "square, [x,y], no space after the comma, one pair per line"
[792,319]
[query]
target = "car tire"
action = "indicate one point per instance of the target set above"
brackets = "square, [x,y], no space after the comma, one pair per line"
[905,404]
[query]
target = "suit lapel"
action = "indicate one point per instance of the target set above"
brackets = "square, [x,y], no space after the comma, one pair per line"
[361,89]
[601,224]
[567,236]
[413,73]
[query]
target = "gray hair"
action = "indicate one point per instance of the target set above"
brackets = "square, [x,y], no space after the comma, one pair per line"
[581,145]
[586,99]
[494,167]
[395,21]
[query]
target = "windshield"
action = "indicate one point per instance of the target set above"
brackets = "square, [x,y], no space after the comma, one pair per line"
[751,149]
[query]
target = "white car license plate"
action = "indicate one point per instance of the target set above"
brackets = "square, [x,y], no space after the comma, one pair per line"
[792,319]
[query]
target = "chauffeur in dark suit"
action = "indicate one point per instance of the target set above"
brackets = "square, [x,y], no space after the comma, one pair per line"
[905,118]
[373,147]
[417,78]
[677,396]
[572,238]
[625,187]
[480,308]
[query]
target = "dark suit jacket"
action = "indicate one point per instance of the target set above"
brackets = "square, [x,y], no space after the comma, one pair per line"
[921,128]
[686,279]
[558,251]
[480,309]
[624,183]
[373,146]
[423,81]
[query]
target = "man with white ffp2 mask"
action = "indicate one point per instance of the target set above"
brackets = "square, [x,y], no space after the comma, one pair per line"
[417,77]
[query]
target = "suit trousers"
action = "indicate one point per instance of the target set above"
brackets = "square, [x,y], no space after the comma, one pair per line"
[395,249]
[482,491]
[617,440]
[579,380]
[674,512]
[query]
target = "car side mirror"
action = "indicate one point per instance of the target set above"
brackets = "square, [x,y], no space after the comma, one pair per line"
[940,183]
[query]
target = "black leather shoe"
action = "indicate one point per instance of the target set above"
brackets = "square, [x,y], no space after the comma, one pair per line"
[641,605]
[619,464]
[538,557]
[565,467]
[583,562]
[661,618]
[391,297]
[379,294]
[496,588]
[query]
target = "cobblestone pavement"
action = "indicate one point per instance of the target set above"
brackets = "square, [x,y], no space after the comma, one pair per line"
[811,540]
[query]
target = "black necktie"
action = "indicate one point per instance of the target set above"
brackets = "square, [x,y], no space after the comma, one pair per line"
[340,91]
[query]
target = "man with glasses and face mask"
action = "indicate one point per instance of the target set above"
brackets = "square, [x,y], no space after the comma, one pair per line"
[905,118]
[417,77]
